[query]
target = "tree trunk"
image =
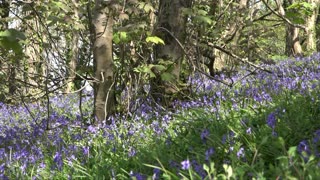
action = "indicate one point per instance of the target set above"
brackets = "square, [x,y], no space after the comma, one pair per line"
[171,22]
[311,27]
[11,63]
[32,53]
[104,94]
[231,34]
[4,14]
[318,31]
[293,46]
[74,52]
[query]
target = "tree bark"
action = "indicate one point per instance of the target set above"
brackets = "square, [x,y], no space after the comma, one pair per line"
[231,34]
[104,94]
[293,45]
[73,61]
[318,31]
[171,22]
[10,66]
[311,27]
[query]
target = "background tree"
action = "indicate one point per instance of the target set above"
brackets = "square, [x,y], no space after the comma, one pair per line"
[171,28]
[104,73]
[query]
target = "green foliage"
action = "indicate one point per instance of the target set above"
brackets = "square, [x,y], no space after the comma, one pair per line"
[120,36]
[298,11]
[12,39]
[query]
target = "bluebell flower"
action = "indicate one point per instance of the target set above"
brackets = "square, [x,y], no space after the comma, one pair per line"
[92,129]
[58,160]
[132,152]
[185,165]
[85,150]
[156,174]
[198,168]
[138,176]
[209,153]
[2,168]
[240,153]
[204,135]
[271,120]
[304,150]
[249,131]
[304,147]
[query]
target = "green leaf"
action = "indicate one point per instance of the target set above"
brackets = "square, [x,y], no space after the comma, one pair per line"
[120,37]
[158,67]
[292,151]
[62,6]
[116,38]
[202,12]
[145,69]
[12,35]
[203,19]
[10,40]
[123,36]
[154,39]
[167,76]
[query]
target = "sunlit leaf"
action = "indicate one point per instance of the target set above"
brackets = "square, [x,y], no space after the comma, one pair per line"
[154,39]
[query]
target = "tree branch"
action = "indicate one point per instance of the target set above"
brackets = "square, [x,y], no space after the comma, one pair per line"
[283,18]
[244,60]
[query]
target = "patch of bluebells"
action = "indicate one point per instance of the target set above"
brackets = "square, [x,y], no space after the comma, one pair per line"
[22,133]
[306,148]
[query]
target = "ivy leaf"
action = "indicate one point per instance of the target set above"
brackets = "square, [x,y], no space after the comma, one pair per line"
[154,39]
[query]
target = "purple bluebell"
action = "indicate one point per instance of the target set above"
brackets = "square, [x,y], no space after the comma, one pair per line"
[185,165]
[271,120]
[57,158]
[204,135]
[209,153]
